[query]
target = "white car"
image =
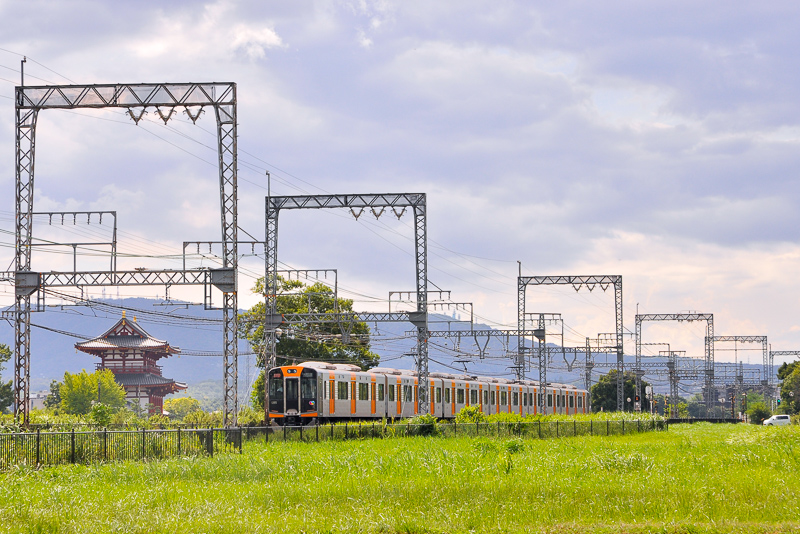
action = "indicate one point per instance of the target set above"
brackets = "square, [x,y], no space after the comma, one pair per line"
[777,420]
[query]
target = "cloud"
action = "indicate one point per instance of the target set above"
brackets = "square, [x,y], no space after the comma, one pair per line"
[657,140]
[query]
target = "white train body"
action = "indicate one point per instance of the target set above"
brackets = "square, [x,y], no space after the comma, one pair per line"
[325,392]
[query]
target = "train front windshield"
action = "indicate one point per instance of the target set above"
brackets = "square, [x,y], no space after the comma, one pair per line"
[276,391]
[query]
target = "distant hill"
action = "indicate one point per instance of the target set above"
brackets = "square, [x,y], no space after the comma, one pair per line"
[196,330]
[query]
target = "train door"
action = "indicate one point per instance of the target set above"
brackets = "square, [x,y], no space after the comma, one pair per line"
[292,395]
[308,391]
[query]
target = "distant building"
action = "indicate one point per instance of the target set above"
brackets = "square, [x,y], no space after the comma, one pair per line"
[37,400]
[131,354]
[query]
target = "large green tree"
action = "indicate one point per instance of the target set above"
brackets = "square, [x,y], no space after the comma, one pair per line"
[604,392]
[308,341]
[305,342]
[789,374]
[78,391]
[6,388]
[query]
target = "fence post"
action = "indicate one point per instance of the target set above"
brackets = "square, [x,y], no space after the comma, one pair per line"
[591,427]
[557,428]
[105,444]
[331,430]
[240,440]
[455,428]
[38,438]
[345,430]
[607,427]
[284,430]
[623,427]
[317,431]
[179,441]
[574,427]
[72,452]
[477,428]
[143,442]
[301,431]
[638,425]
[540,429]
[210,441]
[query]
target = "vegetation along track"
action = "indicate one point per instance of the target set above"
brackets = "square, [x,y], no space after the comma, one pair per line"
[691,478]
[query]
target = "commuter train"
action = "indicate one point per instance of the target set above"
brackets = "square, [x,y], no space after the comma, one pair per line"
[326,392]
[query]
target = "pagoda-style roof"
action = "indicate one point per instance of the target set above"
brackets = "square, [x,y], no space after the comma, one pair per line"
[145,379]
[126,335]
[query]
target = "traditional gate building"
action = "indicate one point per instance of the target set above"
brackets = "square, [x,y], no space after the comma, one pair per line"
[131,354]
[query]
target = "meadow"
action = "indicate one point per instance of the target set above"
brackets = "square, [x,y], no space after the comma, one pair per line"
[691,478]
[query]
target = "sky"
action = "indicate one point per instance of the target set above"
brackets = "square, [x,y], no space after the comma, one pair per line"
[653,140]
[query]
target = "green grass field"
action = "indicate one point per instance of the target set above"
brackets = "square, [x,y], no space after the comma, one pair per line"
[692,478]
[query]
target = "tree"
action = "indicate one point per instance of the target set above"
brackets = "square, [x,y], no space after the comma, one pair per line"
[180,407]
[308,342]
[790,387]
[53,399]
[257,394]
[604,392]
[78,391]
[6,388]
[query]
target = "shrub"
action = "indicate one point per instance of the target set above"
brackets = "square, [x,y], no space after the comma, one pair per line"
[425,425]
[758,412]
[100,414]
[470,414]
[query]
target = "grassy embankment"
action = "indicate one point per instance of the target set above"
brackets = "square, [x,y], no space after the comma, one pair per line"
[693,478]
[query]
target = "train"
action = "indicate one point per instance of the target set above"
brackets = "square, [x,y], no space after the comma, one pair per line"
[321,392]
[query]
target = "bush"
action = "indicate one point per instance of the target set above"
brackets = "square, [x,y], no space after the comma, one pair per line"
[425,425]
[758,412]
[100,414]
[470,414]
[179,407]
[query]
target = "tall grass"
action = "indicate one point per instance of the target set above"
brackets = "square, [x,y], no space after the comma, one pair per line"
[692,478]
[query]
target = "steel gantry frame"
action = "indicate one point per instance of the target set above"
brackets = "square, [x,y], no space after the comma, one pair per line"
[765,381]
[708,371]
[590,282]
[136,99]
[398,202]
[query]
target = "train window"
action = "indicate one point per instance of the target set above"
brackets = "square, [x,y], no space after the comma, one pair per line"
[363,391]
[503,398]
[391,393]
[486,397]
[515,398]
[380,392]
[580,402]
[549,400]
[530,399]
[524,399]
[540,399]
[473,396]
[407,394]
[438,395]
[447,395]
[459,396]
[492,398]
[571,401]
[341,391]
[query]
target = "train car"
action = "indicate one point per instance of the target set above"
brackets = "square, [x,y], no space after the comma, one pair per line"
[325,392]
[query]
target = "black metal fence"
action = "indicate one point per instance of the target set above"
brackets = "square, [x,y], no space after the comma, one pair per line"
[527,429]
[86,447]
[53,448]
